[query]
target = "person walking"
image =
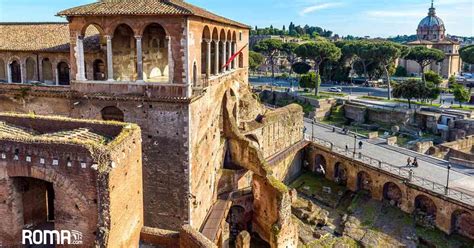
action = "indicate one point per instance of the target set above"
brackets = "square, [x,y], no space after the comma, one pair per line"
[347,148]
[360,144]
[408,161]
[415,162]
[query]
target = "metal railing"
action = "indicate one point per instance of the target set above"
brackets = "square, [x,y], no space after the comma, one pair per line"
[406,174]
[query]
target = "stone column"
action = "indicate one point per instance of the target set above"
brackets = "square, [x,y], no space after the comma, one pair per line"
[234,50]
[9,73]
[139,59]
[208,58]
[22,72]
[224,55]
[56,75]
[110,62]
[170,61]
[81,69]
[216,66]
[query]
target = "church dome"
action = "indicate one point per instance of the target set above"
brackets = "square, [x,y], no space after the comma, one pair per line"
[431,27]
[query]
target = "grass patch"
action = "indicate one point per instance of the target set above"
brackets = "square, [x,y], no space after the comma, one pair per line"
[330,242]
[311,184]
[307,108]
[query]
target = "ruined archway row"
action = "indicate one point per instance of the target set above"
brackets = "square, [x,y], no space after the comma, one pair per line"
[32,68]
[448,216]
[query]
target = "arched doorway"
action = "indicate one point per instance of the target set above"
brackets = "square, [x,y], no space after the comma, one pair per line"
[364,181]
[320,165]
[63,73]
[112,113]
[98,70]
[214,52]
[155,54]
[238,221]
[462,222]
[37,202]
[340,173]
[222,48]
[47,69]
[392,193]
[15,72]
[206,38]
[124,54]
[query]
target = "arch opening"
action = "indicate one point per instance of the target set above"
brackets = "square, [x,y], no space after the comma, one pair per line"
[112,113]
[392,193]
[206,38]
[320,165]
[238,221]
[30,70]
[462,223]
[98,70]
[15,72]
[47,70]
[155,54]
[340,173]
[3,74]
[124,54]
[63,73]
[425,211]
[364,182]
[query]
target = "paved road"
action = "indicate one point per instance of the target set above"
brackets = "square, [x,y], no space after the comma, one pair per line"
[461,178]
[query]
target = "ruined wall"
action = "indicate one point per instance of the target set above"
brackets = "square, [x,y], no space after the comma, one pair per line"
[356,113]
[126,194]
[362,114]
[276,130]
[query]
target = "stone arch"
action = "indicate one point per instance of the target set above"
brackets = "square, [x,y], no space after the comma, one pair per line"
[233,48]
[85,31]
[124,53]
[214,51]
[364,181]
[47,71]
[222,48]
[98,70]
[112,113]
[340,173]
[155,53]
[63,73]
[238,221]
[51,176]
[425,205]
[462,222]
[320,165]
[206,37]
[15,71]
[392,193]
[30,65]
[3,72]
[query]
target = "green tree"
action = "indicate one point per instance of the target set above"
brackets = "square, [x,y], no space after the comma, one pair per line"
[461,94]
[270,48]
[452,80]
[424,56]
[410,89]
[386,54]
[433,77]
[301,67]
[255,60]
[289,50]
[310,80]
[318,52]
[467,54]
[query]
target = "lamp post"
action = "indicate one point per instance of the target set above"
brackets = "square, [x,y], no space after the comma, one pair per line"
[355,144]
[447,180]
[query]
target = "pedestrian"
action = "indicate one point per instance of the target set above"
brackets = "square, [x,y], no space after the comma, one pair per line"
[408,161]
[347,148]
[333,129]
[415,162]
[304,129]
[360,144]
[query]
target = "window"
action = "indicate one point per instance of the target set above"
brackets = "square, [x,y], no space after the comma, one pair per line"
[240,36]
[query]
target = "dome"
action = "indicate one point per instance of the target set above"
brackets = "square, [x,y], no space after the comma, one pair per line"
[431,21]
[431,27]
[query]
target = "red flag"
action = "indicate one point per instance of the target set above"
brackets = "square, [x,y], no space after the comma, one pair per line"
[234,56]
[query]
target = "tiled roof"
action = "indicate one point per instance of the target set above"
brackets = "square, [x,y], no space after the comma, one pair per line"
[46,37]
[144,7]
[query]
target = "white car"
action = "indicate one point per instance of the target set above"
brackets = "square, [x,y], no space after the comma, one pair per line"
[335,89]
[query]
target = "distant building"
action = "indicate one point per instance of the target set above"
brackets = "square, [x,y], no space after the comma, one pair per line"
[431,33]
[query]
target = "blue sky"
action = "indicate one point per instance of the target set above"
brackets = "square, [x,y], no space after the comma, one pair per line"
[376,18]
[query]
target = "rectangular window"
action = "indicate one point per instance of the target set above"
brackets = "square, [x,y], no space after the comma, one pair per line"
[240,36]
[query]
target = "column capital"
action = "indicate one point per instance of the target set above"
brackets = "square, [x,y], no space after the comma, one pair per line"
[206,40]
[138,37]
[108,37]
[80,37]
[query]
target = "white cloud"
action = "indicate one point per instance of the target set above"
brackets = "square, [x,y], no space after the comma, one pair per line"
[316,7]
